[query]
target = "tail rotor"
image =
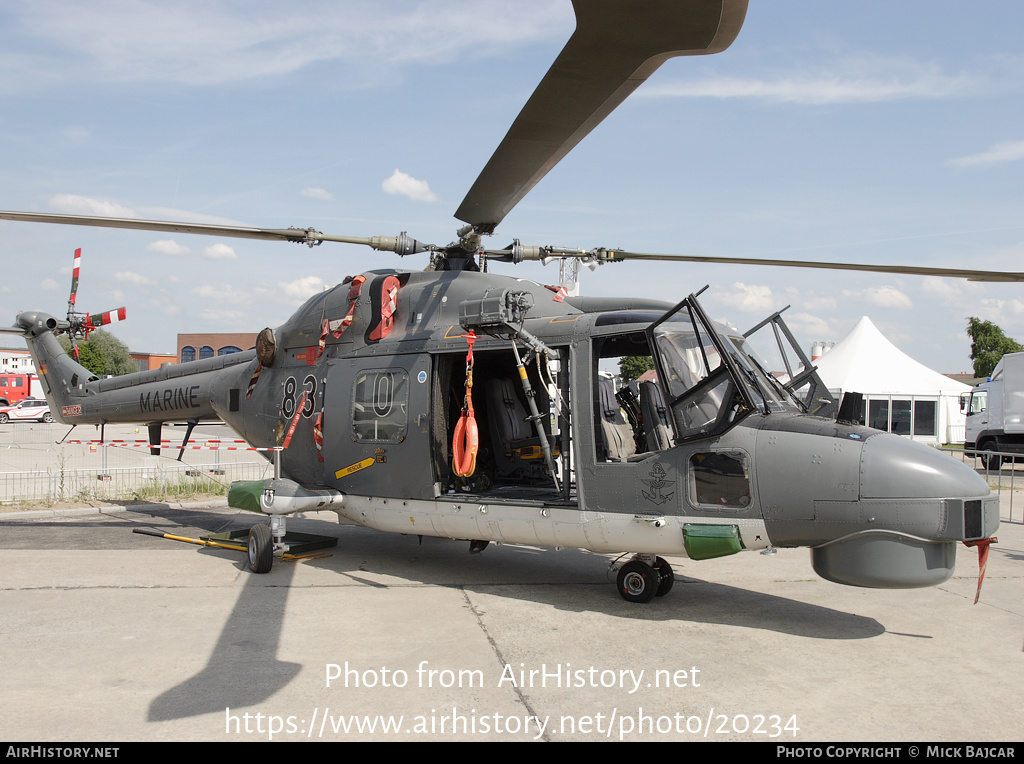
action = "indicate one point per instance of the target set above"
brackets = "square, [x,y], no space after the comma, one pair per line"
[80,324]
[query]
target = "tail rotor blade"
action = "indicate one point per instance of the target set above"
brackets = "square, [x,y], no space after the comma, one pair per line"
[96,320]
[74,279]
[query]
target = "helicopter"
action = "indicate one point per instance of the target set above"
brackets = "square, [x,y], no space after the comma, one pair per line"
[462,403]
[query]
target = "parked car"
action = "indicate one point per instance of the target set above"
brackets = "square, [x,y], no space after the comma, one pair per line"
[30,408]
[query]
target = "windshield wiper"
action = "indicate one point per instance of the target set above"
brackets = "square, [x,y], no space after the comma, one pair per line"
[781,388]
[757,385]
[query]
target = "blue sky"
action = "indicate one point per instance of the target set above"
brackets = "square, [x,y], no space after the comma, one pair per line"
[873,132]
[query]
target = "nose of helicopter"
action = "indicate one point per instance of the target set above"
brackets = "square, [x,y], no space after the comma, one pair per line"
[877,509]
[915,504]
[892,467]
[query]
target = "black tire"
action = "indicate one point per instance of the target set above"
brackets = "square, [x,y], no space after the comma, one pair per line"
[261,549]
[638,582]
[667,577]
[990,461]
[48,417]
[3,417]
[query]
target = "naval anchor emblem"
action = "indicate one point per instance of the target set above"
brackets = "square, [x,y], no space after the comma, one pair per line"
[657,484]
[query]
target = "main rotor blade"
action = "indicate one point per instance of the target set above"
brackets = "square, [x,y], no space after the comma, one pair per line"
[401,244]
[913,270]
[616,46]
[237,232]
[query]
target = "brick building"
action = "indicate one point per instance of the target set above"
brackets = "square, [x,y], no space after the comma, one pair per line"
[193,347]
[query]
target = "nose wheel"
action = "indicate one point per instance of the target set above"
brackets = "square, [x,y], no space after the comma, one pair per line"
[641,579]
[260,548]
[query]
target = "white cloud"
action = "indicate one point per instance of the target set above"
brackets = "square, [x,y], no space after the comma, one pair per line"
[954,293]
[748,298]
[73,204]
[1003,307]
[217,42]
[76,133]
[220,319]
[220,252]
[76,204]
[222,293]
[49,284]
[867,79]
[302,288]
[1001,153]
[135,279]
[808,300]
[883,297]
[318,193]
[167,247]
[808,325]
[405,185]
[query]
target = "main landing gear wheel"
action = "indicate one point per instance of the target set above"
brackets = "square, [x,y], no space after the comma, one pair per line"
[261,549]
[638,581]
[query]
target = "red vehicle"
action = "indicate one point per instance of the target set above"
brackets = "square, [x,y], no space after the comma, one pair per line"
[28,409]
[18,387]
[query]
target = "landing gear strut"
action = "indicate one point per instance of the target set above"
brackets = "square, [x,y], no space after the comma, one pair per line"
[642,579]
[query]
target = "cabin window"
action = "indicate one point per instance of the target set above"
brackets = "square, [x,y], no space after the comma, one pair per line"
[380,406]
[720,479]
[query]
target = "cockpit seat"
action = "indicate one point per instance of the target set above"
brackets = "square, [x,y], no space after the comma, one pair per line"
[657,433]
[616,434]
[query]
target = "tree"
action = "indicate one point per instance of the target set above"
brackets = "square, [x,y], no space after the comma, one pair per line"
[988,345]
[103,355]
[632,366]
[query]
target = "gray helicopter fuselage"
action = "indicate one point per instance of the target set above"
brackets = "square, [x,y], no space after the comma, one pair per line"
[369,415]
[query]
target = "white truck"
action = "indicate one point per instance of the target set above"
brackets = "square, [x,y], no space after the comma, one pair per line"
[995,412]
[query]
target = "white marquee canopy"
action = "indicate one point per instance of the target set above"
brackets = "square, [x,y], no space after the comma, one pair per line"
[901,395]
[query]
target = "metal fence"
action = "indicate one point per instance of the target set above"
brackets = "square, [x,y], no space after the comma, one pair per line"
[17,434]
[159,482]
[37,469]
[1001,474]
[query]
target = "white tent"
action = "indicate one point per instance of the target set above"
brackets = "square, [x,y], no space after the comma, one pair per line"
[901,395]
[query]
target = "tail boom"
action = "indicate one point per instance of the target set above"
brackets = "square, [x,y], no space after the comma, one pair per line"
[173,393]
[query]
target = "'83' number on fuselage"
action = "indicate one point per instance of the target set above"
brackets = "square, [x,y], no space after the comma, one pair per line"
[290,399]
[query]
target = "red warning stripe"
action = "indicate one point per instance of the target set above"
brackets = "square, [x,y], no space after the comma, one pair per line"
[102,319]
[74,275]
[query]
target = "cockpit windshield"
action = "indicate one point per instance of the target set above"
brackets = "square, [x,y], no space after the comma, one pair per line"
[710,379]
